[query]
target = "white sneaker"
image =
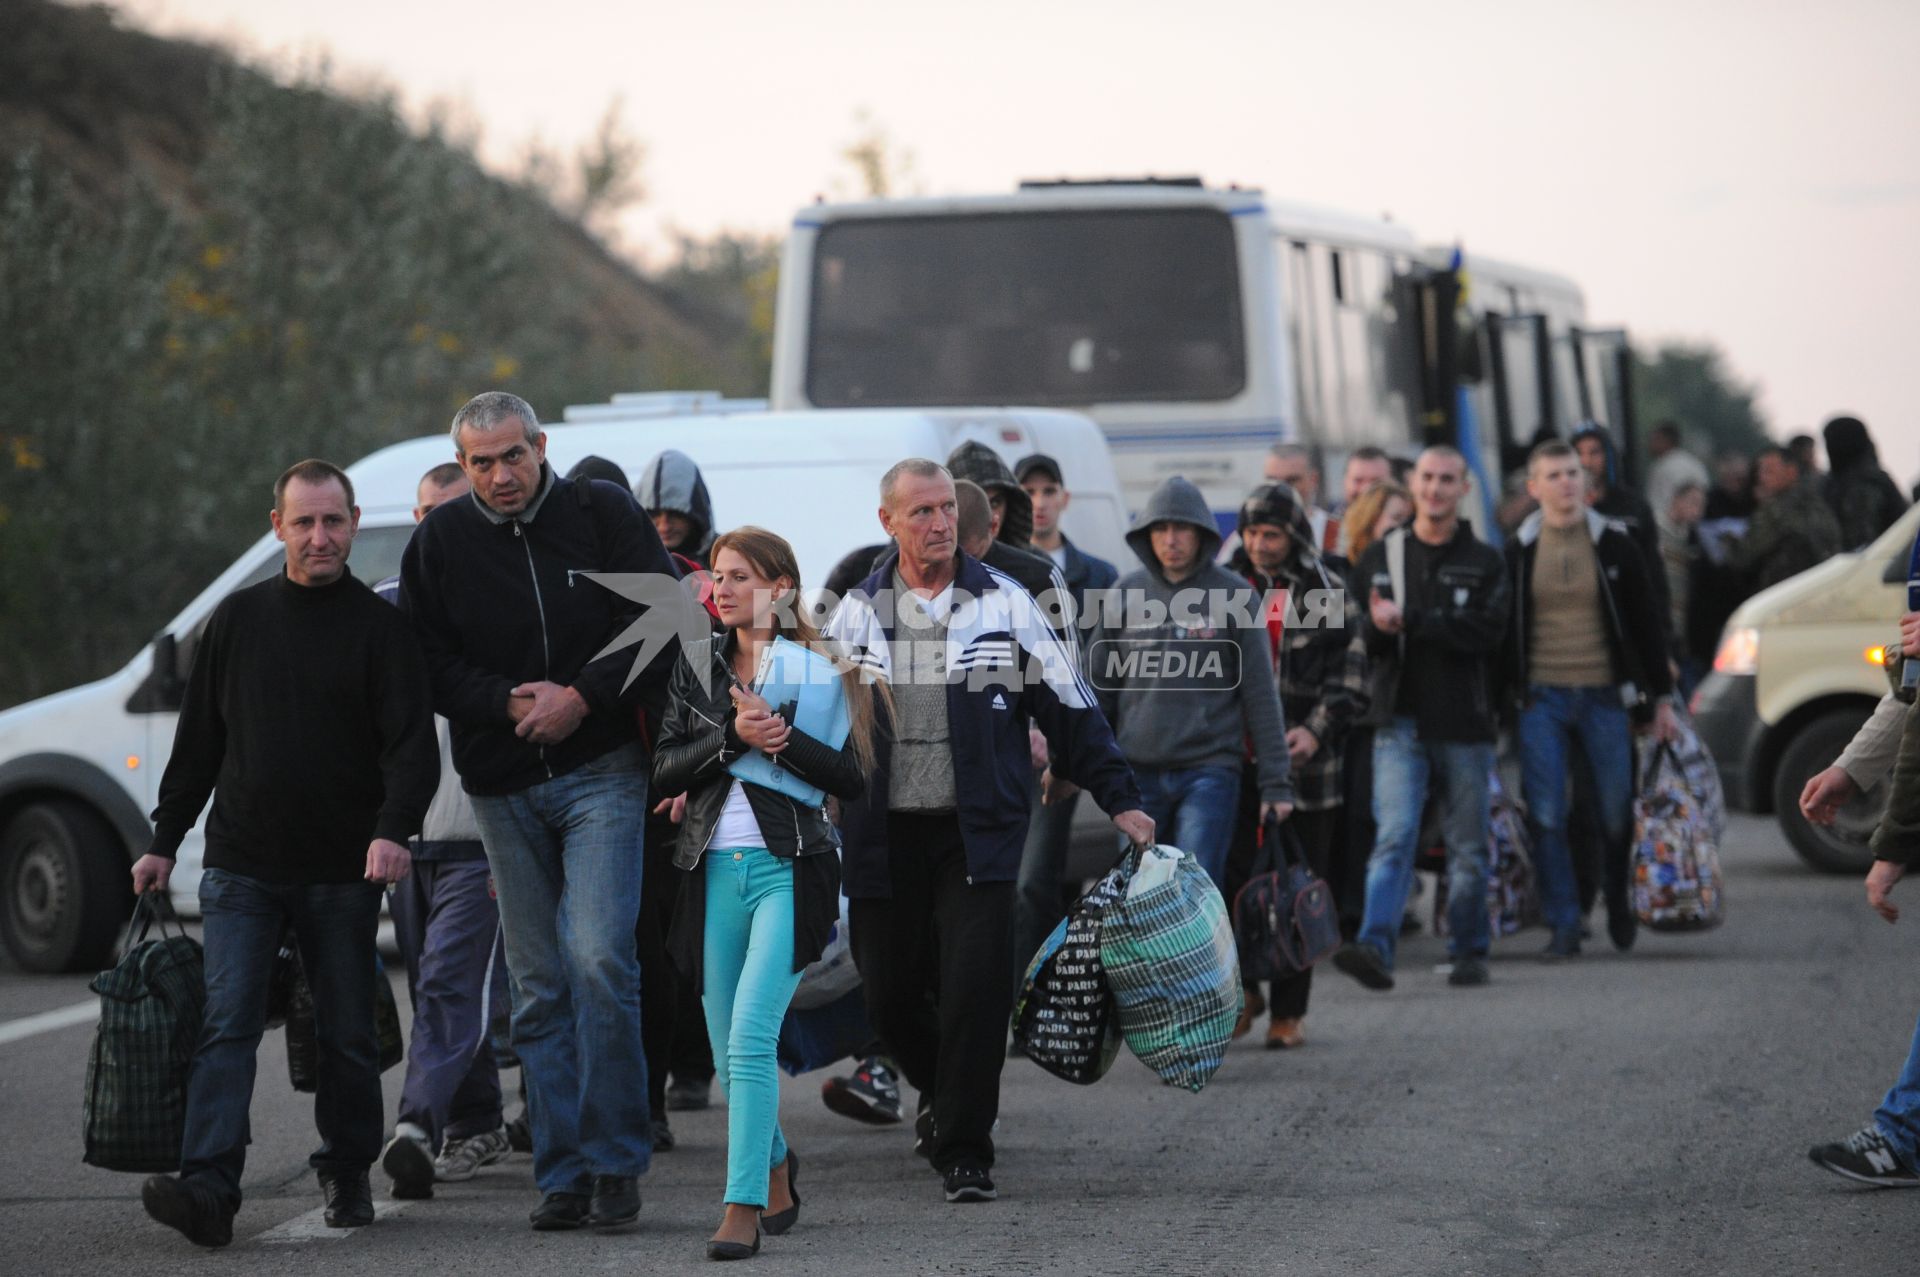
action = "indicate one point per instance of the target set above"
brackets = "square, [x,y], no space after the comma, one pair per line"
[460,1159]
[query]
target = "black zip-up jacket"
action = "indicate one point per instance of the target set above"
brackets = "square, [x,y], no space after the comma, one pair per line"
[696,743]
[1635,645]
[1457,613]
[499,601]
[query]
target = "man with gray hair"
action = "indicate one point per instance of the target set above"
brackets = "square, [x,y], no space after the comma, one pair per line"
[546,742]
[932,850]
[1294,465]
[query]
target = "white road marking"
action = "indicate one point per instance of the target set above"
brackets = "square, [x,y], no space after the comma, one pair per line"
[48,1021]
[312,1226]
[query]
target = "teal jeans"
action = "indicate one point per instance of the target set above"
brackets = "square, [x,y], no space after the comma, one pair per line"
[749,980]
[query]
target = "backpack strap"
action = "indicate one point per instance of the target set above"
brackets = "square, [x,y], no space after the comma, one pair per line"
[1397,578]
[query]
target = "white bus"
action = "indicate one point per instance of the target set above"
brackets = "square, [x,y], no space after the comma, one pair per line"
[1197,326]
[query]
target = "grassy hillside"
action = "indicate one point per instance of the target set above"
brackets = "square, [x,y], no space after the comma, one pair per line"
[206,274]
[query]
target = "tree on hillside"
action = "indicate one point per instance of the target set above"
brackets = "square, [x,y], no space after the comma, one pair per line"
[730,280]
[332,282]
[1689,383]
[882,168]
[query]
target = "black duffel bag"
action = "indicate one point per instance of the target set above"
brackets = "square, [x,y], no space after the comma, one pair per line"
[152,1003]
[1284,919]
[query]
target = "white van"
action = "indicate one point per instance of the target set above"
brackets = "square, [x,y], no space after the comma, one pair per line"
[80,770]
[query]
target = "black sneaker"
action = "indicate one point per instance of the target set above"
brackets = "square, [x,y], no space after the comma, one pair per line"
[872,1094]
[688,1095]
[1622,926]
[520,1134]
[663,1140]
[190,1208]
[1468,972]
[408,1162]
[970,1184]
[1565,944]
[923,1133]
[1364,963]
[349,1197]
[1865,1157]
[559,1212]
[616,1201]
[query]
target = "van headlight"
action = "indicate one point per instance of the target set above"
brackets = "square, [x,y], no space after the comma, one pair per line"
[1739,652]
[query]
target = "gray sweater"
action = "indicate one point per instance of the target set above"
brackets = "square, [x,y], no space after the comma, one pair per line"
[1193,704]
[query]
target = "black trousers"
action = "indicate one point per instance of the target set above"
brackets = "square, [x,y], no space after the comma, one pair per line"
[1348,876]
[1320,834]
[933,961]
[660,981]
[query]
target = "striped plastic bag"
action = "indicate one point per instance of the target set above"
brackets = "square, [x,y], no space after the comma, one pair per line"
[1171,962]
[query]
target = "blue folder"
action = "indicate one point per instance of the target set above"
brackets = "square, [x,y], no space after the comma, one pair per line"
[804,688]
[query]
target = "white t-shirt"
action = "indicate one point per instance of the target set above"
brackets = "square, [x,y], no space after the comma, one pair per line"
[1059,556]
[737,827]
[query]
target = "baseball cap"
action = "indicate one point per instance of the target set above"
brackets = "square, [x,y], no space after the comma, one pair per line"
[1041,462]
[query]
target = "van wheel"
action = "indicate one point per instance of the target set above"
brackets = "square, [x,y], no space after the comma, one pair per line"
[1840,848]
[64,889]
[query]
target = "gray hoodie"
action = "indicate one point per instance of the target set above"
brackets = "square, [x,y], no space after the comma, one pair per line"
[672,482]
[1175,698]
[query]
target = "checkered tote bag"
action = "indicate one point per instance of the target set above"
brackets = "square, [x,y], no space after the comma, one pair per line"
[1171,963]
[151,1006]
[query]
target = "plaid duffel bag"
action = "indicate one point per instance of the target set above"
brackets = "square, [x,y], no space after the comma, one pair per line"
[152,1003]
[1173,968]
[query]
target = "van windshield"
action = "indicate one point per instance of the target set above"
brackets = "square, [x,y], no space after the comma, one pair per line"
[1048,308]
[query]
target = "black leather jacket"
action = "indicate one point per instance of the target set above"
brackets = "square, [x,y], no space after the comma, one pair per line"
[697,741]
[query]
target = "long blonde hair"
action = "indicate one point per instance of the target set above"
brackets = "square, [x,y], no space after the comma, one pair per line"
[1356,529]
[772,557]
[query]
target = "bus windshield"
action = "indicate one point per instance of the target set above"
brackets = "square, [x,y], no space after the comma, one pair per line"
[1045,308]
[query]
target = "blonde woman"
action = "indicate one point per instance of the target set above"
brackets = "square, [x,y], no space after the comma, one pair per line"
[1373,514]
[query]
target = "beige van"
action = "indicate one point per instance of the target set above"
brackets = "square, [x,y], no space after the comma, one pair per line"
[1797,672]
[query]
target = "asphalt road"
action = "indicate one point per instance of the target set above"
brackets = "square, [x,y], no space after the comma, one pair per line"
[1646,1113]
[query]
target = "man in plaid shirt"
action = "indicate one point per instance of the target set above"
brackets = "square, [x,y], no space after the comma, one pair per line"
[1320,663]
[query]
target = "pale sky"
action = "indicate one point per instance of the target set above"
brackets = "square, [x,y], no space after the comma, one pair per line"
[1746,172]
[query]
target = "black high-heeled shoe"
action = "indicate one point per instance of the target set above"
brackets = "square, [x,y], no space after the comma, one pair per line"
[774,1225]
[734,1250]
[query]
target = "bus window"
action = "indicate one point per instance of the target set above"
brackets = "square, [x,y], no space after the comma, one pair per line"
[1045,308]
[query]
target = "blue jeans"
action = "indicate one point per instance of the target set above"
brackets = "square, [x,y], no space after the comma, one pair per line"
[1898,1116]
[566,859]
[1193,809]
[748,981]
[1403,768]
[334,926]
[1552,720]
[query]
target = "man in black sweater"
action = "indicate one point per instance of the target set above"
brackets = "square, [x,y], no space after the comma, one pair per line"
[307,718]
[501,587]
[1436,612]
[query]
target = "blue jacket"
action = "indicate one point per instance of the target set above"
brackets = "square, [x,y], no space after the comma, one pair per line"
[1016,672]
[1084,572]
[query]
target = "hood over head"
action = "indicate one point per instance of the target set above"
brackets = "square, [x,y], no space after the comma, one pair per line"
[1849,444]
[975,461]
[592,467]
[672,482]
[1279,505]
[1175,501]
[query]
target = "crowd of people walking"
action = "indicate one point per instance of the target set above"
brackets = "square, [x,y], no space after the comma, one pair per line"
[640,854]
